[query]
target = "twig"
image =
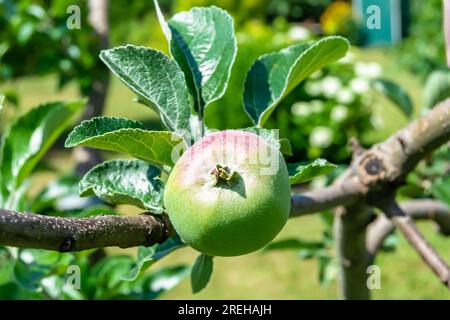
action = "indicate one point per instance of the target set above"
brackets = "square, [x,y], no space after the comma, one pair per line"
[421,209]
[415,238]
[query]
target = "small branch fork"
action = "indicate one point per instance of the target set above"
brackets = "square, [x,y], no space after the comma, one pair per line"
[372,177]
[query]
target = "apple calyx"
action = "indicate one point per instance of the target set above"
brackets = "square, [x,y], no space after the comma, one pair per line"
[223,174]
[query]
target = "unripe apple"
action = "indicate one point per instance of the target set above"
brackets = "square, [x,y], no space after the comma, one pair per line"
[228,194]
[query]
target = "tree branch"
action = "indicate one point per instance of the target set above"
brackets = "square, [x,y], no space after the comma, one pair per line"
[415,238]
[327,198]
[350,227]
[390,161]
[75,234]
[422,209]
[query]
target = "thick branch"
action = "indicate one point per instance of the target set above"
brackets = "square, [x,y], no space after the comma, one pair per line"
[327,198]
[350,227]
[75,234]
[423,209]
[415,238]
[391,160]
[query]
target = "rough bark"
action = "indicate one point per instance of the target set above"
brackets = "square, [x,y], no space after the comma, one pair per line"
[71,234]
[350,236]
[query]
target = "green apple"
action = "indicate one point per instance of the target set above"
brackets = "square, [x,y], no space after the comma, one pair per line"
[228,194]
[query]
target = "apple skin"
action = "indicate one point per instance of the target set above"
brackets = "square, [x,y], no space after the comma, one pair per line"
[221,217]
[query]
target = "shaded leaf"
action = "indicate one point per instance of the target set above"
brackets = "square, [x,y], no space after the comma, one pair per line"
[203,43]
[155,78]
[161,281]
[304,171]
[59,189]
[395,94]
[441,189]
[149,255]
[30,137]
[105,133]
[276,74]
[132,182]
[437,88]
[294,244]
[201,272]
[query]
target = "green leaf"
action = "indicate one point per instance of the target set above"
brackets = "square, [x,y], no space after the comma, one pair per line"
[271,136]
[162,22]
[160,281]
[106,275]
[149,255]
[390,243]
[395,94]
[155,78]
[132,182]
[276,74]
[2,100]
[300,172]
[328,269]
[201,272]
[441,189]
[126,136]
[437,88]
[294,244]
[65,186]
[204,45]
[6,266]
[30,137]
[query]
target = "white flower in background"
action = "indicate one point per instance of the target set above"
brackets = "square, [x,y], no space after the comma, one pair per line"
[301,109]
[376,121]
[313,88]
[339,113]
[321,137]
[368,70]
[49,282]
[348,58]
[299,33]
[359,85]
[26,257]
[345,96]
[331,86]
[316,106]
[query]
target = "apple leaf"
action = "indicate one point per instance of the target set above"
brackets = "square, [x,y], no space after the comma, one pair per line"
[276,74]
[129,137]
[203,43]
[156,79]
[271,136]
[441,189]
[132,182]
[294,244]
[201,272]
[27,140]
[157,282]
[437,88]
[148,255]
[304,171]
[395,94]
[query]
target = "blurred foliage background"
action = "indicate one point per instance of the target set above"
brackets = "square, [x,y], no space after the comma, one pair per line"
[42,60]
